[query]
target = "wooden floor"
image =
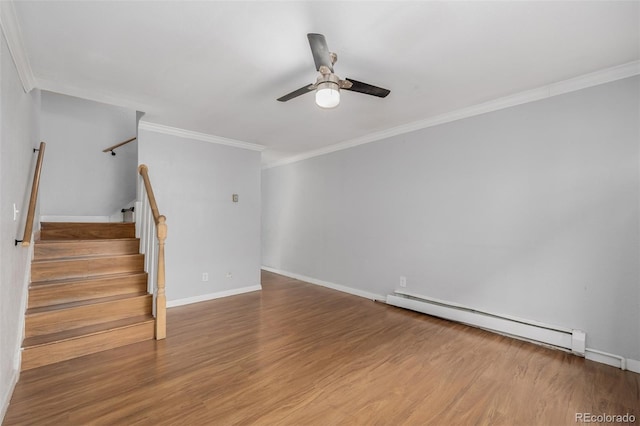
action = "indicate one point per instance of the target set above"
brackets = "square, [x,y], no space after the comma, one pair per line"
[299,354]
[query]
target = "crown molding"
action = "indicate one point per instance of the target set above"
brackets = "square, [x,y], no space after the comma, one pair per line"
[175,131]
[13,35]
[570,85]
[596,78]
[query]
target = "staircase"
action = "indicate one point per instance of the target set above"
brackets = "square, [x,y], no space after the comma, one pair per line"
[88,292]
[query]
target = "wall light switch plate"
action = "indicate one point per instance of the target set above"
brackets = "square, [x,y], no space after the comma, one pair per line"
[234,198]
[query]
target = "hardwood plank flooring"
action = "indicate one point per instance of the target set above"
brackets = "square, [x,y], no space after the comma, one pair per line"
[299,354]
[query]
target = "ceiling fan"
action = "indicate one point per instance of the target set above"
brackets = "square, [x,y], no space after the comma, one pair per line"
[328,85]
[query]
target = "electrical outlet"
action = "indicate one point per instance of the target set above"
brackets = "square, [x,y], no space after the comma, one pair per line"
[205,276]
[229,275]
[403,281]
[15,212]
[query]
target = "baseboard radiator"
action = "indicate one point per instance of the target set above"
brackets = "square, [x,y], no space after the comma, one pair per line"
[558,337]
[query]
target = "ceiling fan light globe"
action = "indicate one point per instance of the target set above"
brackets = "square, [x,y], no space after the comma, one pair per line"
[327,95]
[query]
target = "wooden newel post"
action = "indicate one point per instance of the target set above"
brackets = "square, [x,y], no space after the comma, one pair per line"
[161,226]
[161,298]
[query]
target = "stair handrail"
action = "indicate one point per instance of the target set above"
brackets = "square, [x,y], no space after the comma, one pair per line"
[118,145]
[161,229]
[31,212]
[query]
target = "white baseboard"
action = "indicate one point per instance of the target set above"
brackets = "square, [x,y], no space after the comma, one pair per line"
[54,218]
[211,296]
[116,217]
[605,358]
[633,365]
[613,360]
[334,286]
[6,398]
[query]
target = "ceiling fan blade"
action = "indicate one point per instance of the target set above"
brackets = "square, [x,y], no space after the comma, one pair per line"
[367,89]
[301,91]
[320,51]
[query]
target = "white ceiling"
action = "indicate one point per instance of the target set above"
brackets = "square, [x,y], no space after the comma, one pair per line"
[218,67]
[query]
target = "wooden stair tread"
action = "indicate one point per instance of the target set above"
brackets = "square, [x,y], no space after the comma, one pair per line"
[64,281]
[75,333]
[72,226]
[93,256]
[66,224]
[86,266]
[82,345]
[65,290]
[86,230]
[80,240]
[54,248]
[52,308]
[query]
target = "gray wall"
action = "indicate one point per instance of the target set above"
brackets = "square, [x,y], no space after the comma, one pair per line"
[80,179]
[193,182]
[530,211]
[19,114]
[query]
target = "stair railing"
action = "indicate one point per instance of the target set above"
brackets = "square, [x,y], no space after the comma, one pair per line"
[118,145]
[31,212]
[152,226]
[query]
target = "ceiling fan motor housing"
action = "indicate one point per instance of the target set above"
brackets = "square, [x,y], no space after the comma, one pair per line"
[328,91]
[331,80]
